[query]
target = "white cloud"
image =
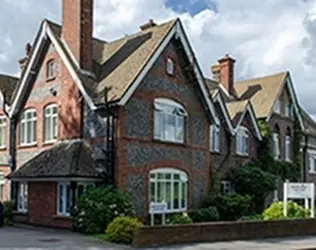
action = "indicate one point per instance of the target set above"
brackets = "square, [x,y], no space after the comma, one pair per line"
[272,36]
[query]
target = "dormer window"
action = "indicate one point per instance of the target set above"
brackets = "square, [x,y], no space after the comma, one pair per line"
[289,110]
[242,141]
[50,71]
[170,66]
[277,107]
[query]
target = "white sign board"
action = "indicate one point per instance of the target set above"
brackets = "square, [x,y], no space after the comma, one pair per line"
[299,190]
[157,207]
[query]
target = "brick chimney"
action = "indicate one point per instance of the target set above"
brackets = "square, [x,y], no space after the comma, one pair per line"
[77,29]
[223,72]
[148,25]
[23,61]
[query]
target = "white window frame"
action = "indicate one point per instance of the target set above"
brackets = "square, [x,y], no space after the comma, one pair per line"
[2,183]
[277,106]
[24,124]
[3,124]
[51,118]
[170,66]
[226,187]
[22,197]
[165,109]
[288,145]
[173,181]
[312,162]
[214,138]
[276,146]
[242,141]
[289,109]
[62,209]
[50,70]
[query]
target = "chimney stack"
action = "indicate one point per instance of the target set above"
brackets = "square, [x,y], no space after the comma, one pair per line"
[148,25]
[223,72]
[77,30]
[25,59]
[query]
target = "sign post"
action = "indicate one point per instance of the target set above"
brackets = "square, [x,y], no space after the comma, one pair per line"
[299,190]
[157,208]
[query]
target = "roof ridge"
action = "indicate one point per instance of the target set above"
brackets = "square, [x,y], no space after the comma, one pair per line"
[262,77]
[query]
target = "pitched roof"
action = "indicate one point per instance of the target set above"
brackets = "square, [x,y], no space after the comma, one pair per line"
[118,63]
[262,92]
[7,86]
[309,123]
[236,107]
[66,159]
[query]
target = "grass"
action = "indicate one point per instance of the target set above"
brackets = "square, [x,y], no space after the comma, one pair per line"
[103,237]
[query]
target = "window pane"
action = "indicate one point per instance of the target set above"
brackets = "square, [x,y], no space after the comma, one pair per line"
[152,192]
[161,191]
[68,199]
[158,124]
[29,132]
[54,127]
[183,195]
[22,134]
[61,198]
[176,197]
[34,131]
[180,128]
[170,127]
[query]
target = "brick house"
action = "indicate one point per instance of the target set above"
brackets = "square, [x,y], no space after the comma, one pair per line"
[134,112]
[273,99]
[237,141]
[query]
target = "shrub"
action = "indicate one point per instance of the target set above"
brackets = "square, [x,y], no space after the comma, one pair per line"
[251,217]
[98,207]
[121,229]
[230,207]
[8,212]
[275,211]
[181,219]
[205,214]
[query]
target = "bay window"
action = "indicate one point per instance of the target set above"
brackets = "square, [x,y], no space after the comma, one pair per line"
[214,138]
[50,123]
[242,141]
[170,186]
[28,127]
[169,121]
[22,197]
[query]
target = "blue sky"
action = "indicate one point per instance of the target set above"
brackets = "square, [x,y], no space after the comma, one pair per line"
[265,38]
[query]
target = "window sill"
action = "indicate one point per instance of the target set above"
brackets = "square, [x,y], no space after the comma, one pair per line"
[62,217]
[312,172]
[49,79]
[242,155]
[3,147]
[168,142]
[47,143]
[28,145]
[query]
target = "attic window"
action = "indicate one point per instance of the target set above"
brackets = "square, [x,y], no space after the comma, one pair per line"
[170,66]
[50,70]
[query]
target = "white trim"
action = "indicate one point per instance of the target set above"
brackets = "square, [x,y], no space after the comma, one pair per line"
[222,104]
[178,31]
[288,82]
[249,109]
[45,33]
[168,171]
[170,102]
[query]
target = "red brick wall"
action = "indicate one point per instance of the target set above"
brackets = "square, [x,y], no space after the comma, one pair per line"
[42,206]
[222,231]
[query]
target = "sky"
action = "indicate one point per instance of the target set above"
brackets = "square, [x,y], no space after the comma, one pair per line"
[264,37]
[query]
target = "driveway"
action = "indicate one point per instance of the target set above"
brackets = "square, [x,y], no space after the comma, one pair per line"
[18,238]
[37,239]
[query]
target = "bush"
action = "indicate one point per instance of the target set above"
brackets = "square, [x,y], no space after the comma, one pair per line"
[230,207]
[8,212]
[98,207]
[275,211]
[251,217]
[205,214]
[181,219]
[121,229]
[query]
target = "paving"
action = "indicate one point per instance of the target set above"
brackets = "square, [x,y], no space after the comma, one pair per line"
[37,239]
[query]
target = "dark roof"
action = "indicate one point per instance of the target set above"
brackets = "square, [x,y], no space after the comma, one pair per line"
[7,86]
[66,159]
